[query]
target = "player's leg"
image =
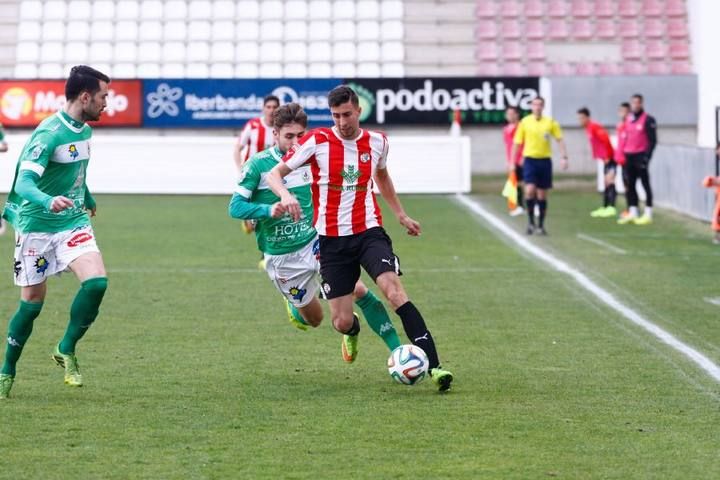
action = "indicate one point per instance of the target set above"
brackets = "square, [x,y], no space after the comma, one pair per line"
[376,316]
[529,179]
[519,177]
[631,190]
[543,185]
[644,174]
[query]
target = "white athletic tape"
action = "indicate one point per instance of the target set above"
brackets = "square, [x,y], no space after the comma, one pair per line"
[606,297]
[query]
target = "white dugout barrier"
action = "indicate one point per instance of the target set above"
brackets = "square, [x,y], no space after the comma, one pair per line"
[203,165]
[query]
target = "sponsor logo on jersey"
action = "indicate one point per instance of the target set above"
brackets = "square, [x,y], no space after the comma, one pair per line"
[73,151]
[17,268]
[350,174]
[12,342]
[78,239]
[37,151]
[41,265]
[298,293]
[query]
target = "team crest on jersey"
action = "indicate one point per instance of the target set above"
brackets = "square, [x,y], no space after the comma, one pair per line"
[297,293]
[350,174]
[41,265]
[37,151]
[73,151]
[306,176]
[365,157]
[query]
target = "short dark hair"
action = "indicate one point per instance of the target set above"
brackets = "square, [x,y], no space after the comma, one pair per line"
[625,105]
[539,98]
[638,96]
[584,111]
[342,94]
[287,114]
[514,109]
[271,98]
[83,79]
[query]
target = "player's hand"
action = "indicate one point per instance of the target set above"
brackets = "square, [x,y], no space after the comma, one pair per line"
[292,206]
[564,164]
[93,211]
[708,181]
[412,226]
[60,203]
[277,210]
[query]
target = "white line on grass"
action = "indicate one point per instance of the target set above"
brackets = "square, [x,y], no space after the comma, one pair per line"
[666,337]
[599,242]
[713,300]
[220,270]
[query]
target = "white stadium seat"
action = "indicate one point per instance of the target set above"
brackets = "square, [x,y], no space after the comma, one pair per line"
[223,30]
[247,10]
[127,10]
[344,70]
[125,52]
[29,30]
[173,52]
[175,30]
[271,10]
[51,70]
[55,10]
[197,70]
[51,52]
[392,70]
[367,9]
[151,10]
[31,10]
[391,10]
[320,9]
[368,30]
[271,52]
[320,30]
[150,52]
[148,70]
[392,30]
[247,52]
[343,9]
[27,52]
[320,70]
[124,70]
[247,31]
[343,30]
[344,52]
[80,9]
[392,52]
[198,51]
[223,10]
[102,30]
[176,10]
[199,30]
[295,52]
[126,30]
[76,52]
[150,30]
[296,9]
[53,30]
[222,52]
[295,70]
[77,31]
[25,70]
[100,51]
[172,70]
[368,70]
[296,30]
[222,70]
[271,30]
[319,52]
[246,70]
[199,9]
[270,70]
[101,10]
[368,52]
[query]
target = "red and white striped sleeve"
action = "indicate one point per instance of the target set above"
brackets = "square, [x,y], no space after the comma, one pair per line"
[382,161]
[302,153]
[245,133]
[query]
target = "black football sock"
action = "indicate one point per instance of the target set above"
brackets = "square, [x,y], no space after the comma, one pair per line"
[355,329]
[531,211]
[611,194]
[417,331]
[543,208]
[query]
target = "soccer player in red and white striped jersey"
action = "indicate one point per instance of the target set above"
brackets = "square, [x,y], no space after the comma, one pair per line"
[346,162]
[256,135]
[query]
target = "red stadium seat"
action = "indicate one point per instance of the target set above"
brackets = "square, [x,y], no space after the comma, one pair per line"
[605,8]
[628,8]
[536,50]
[629,29]
[563,69]
[681,68]
[511,29]
[652,8]
[679,50]
[486,9]
[656,49]
[558,29]
[581,9]
[658,68]
[535,29]
[654,28]
[634,68]
[512,51]
[534,8]
[558,8]
[677,28]
[632,49]
[488,70]
[487,51]
[675,8]
[605,29]
[514,69]
[582,29]
[487,29]
[510,8]
[537,69]
[609,68]
[586,69]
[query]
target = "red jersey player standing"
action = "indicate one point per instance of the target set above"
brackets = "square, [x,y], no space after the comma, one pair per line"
[512,115]
[346,162]
[602,151]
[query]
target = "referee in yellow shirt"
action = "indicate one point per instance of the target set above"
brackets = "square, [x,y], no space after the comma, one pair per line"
[534,132]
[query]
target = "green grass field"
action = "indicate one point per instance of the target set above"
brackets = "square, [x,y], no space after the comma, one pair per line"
[192,370]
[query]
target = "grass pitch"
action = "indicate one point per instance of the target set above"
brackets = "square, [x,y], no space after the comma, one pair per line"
[192,370]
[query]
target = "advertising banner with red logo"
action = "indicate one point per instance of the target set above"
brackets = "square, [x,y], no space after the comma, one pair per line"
[25,103]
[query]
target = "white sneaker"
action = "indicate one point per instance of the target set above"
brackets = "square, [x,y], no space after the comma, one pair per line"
[517,212]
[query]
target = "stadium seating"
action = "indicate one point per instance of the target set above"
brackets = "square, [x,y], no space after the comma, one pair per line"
[296,38]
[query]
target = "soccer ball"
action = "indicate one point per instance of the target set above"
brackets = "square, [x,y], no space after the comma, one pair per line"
[408,364]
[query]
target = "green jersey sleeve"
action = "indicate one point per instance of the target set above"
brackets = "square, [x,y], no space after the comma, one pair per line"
[249,179]
[36,154]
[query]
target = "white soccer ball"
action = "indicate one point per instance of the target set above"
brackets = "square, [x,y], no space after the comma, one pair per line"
[408,364]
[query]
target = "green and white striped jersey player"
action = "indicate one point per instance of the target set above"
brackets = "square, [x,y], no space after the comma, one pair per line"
[291,247]
[47,206]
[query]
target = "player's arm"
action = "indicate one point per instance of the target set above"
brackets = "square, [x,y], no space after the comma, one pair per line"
[518,141]
[651,132]
[240,150]
[295,158]
[33,161]
[241,207]
[387,190]
[556,132]
[90,203]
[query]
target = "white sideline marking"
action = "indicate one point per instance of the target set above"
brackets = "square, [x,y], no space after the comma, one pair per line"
[599,242]
[200,270]
[714,301]
[664,336]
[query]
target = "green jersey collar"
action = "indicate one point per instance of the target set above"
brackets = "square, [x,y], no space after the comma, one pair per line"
[276,153]
[70,122]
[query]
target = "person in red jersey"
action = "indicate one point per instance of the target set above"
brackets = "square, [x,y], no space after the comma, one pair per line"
[602,151]
[619,153]
[346,162]
[514,165]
